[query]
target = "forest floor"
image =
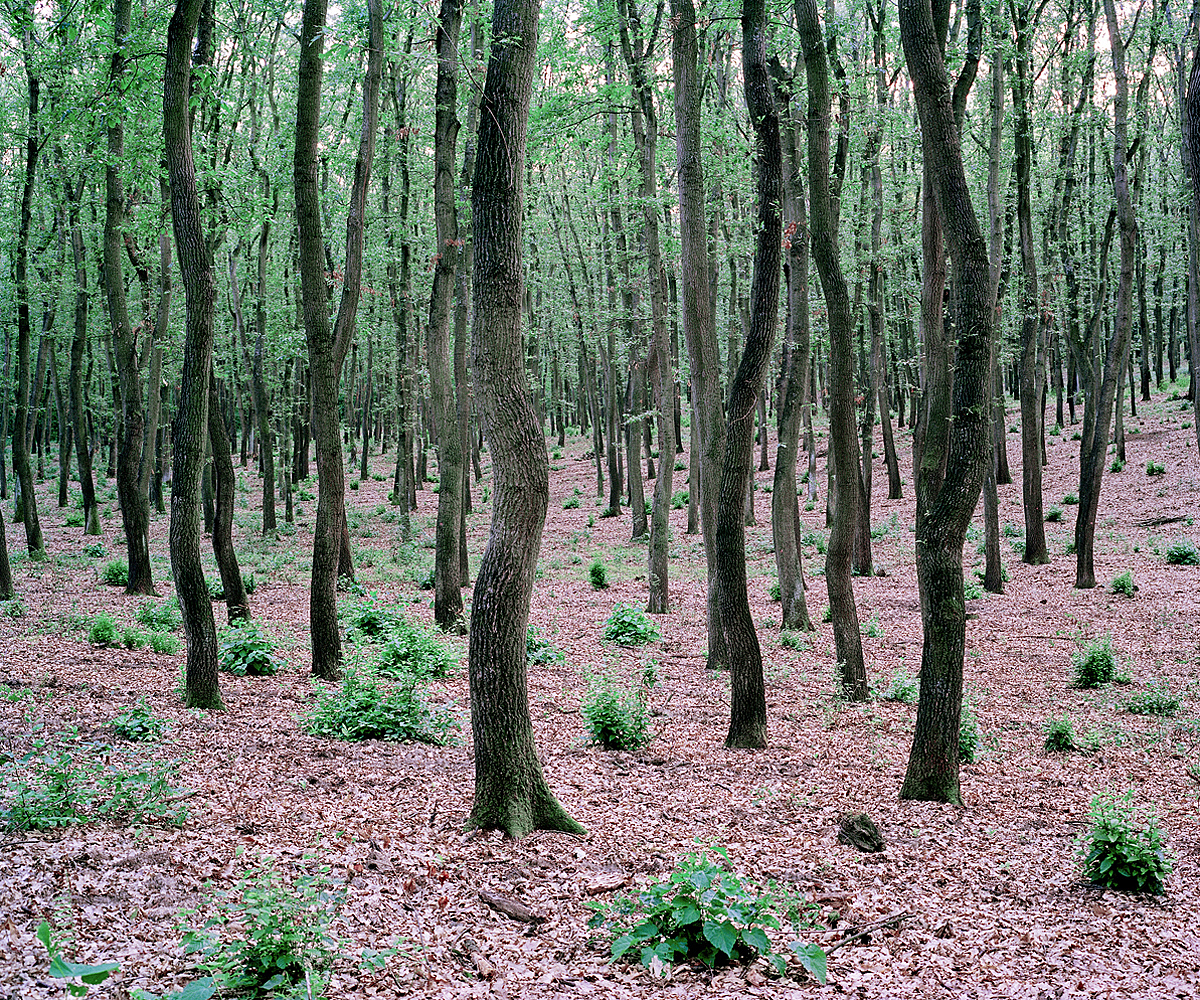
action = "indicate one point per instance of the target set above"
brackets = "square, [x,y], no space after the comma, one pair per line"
[991,893]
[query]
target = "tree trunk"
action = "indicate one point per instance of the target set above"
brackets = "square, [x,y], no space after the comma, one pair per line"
[236,603]
[511,793]
[189,428]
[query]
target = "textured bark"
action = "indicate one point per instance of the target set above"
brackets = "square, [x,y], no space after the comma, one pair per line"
[511,793]
[950,474]
[189,428]
[447,600]
[1190,100]
[236,603]
[748,707]
[843,439]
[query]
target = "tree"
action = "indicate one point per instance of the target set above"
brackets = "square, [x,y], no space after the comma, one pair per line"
[955,449]
[511,793]
[327,346]
[190,426]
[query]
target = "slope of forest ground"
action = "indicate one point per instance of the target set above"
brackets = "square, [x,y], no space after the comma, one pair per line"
[995,901]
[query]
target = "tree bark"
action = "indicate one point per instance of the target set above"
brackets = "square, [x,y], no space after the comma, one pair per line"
[511,793]
[236,603]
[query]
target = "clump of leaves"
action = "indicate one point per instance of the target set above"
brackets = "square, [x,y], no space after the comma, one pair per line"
[902,687]
[1154,468]
[103,631]
[365,708]
[1117,465]
[60,968]
[968,734]
[1124,848]
[138,723]
[538,649]
[1123,584]
[616,714]
[164,642]
[1183,553]
[773,591]
[705,913]
[415,648]
[12,608]
[133,638]
[369,619]
[1054,515]
[115,573]
[1060,735]
[972,590]
[680,499]
[789,639]
[598,575]
[1071,499]
[630,626]
[164,616]
[571,503]
[246,651]
[1156,699]
[269,933]
[1094,665]
[95,550]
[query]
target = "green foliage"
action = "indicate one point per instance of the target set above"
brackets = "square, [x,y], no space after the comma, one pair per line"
[95,550]
[1183,553]
[598,575]
[216,589]
[538,649]
[1095,664]
[138,723]
[1156,699]
[1123,584]
[629,626]
[245,650]
[1071,499]
[1117,465]
[61,780]
[133,638]
[873,629]
[74,519]
[103,631]
[1060,735]
[1054,515]
[115,573]
[571,503]
[902,687]
[369,619]
[12,608]
[616,714]
[364,707]
[972,590]
[60,968]
[269,933]
[773,591]
[703,912]
[792,640]
[816,539]
[162,617]
[680,499]
[417,649]
[1154,468]
[968,734]
[1125,847]
[164,642]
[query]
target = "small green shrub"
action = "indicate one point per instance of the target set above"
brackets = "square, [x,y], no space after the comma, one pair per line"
[1059,735]
[792,640]
[571,503]
[629,626]
[972,590]
[968,734]
[773,592]
[816,539]
[616,715]
[538,650]
[244,650]
[1094,665]
[103,631]
[161,617]
[1071,499]
[371,620]
[598,575]
[138,723]
[1154,468]
[249,583]
[1117,465]
[1123,584]
[1054,515]
[115,573]
[902,687]
[95,550]
[1156,699]
[873,629]
[216,589]
[74,519]
[270,935]
[1183,553]
[364,708]
[133,638]
[353,484]
[703,912]
[12,608]
[679,500]
[164,642]
[415,648]
[1125,847]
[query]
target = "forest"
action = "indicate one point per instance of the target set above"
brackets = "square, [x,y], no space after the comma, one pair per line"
[533,498]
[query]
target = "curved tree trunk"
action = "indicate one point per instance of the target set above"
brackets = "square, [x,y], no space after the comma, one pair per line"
[236,603]
[189,428]
[511,793]
[83,448]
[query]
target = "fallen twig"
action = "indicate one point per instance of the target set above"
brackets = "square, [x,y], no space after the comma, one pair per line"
[511,907]
[874,925]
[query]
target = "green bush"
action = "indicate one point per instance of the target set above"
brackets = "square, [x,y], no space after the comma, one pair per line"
[538,649]
[598,575]
[1154,468]
[1117,465]
[629,626]
[902,687]
[138,723]
[972,590]
[1123,584]
[1156,699]
[1071,499]
[133,638]
[364,708]
[571,503]
[161,617]
[1124,848]
[95,550]
[369,619]
[74,519]
[12,608]
[244,650]
[616,715]
[873,629]
[705,913]
[1095,665]
[164,642]
[416,649]
[103,631]
[1054,515]
[269,933]
[1183,553]
[679,500]
[115,573]
[1060,735]
[968,734]
[792,640]
[773,592]
[61,780]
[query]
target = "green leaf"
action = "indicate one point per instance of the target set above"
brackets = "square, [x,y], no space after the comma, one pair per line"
[90,974]
[722,936]
[812,957]
[43,935]
[621,945]
[686,912]
[756,938]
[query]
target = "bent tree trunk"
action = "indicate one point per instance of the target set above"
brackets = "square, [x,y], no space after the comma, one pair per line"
[511,793]
[83,448]
[950,476]
[189,428]
[236,603]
